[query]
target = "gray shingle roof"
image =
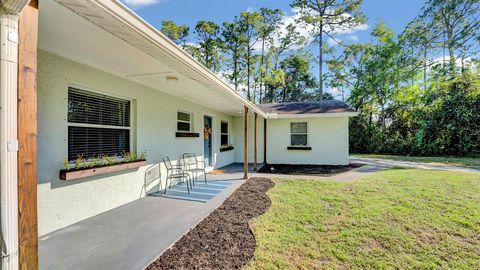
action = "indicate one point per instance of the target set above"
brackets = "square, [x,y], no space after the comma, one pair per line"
[306,107]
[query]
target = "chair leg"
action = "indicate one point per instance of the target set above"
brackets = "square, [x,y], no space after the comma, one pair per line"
[205,176]
[166,184]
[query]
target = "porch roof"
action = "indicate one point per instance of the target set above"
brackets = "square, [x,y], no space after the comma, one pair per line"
[108,36]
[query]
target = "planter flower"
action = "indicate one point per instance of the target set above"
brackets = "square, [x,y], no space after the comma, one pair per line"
[101,165]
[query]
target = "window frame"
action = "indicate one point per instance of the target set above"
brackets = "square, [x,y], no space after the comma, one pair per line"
[131,134]
[299,133]
[222,134]
[183,121]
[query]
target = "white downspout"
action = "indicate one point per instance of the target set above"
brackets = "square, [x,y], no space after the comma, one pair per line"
[9,11]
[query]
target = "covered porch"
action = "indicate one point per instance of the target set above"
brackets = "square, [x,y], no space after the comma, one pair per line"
[130,236]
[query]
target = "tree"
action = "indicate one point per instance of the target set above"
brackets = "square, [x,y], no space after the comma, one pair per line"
[298,79]
[249,23]
[456,24]
[177,33]
[418,37]
[234,42]
[269,23]
[327,17]
[207,33]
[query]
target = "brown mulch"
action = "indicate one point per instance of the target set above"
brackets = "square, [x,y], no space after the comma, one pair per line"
[317,170]
[223,240]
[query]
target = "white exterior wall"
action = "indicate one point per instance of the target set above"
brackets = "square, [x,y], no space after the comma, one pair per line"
[154,115]
[328,137]
[239,141]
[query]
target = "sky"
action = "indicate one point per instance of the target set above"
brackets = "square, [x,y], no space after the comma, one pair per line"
[395,13]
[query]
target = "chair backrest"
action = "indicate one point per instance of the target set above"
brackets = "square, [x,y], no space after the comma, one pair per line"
[168,164]
[189,159]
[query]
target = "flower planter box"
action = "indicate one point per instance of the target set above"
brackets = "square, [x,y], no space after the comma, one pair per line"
[187,135]
[227,148]
[307,148]
[87,172]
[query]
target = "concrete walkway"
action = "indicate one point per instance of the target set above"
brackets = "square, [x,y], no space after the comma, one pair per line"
[130,236]
[409,164]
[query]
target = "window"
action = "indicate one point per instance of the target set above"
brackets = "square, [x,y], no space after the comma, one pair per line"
[298,133]
[97,124]
[184,121]
[224,134]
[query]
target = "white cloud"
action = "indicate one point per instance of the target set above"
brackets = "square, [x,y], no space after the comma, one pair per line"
[139,3]
[307,30]
[353,38]
[333,42]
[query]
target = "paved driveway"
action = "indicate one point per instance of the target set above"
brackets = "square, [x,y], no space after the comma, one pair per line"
[409,164]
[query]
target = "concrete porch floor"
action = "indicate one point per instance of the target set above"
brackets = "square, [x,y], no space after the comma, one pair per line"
[130,236]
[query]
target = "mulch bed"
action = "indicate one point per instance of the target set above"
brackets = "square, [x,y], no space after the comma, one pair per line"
[223,240]
[317,170]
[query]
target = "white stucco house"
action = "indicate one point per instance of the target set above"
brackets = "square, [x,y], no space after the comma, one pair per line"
[107,82]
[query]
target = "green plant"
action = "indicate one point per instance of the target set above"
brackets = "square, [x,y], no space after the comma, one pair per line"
[129,156]
[108,160]
[66,164]
[79,161]
[143,155]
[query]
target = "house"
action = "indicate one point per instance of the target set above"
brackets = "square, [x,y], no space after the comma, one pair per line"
[100,80]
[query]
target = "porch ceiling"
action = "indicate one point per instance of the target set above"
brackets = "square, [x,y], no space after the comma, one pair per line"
[107,36]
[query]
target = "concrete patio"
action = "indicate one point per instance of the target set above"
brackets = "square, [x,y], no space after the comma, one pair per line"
[130,236]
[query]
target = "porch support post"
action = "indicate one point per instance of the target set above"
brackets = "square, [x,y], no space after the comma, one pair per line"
[9,11]
[265,141]
[27,137]
[255,130]
[245,145]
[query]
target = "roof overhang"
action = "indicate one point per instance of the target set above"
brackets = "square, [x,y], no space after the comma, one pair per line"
[310,115]
[108,36]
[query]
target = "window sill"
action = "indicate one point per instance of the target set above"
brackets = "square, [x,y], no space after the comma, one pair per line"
[181,134]
[87,172]
[226,148]
[308,148]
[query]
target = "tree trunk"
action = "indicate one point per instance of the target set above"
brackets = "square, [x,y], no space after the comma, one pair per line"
[320,63]
[261,71]
[248,73]
[425,69]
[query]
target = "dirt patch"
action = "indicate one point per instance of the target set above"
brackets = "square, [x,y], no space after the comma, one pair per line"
[372,243]
[223,240]
[317,170]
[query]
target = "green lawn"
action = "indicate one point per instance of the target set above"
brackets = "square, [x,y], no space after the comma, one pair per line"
[395,219]
[456,161]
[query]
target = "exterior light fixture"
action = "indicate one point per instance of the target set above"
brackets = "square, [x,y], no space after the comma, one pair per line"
[172,79]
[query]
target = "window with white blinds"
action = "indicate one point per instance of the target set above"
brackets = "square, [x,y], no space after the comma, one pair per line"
[97,124]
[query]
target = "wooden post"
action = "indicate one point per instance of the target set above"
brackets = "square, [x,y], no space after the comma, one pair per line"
[27,137]
[255,143]
[245,146]
[265,141]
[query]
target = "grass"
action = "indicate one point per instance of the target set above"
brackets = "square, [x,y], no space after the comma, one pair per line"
[395,219]
[455,161]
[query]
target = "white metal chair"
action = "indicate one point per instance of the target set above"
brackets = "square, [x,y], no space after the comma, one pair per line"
[176,172]
[194,166]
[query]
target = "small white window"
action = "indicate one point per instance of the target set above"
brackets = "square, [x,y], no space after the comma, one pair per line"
[184,121]
[298,134]
[224,140]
